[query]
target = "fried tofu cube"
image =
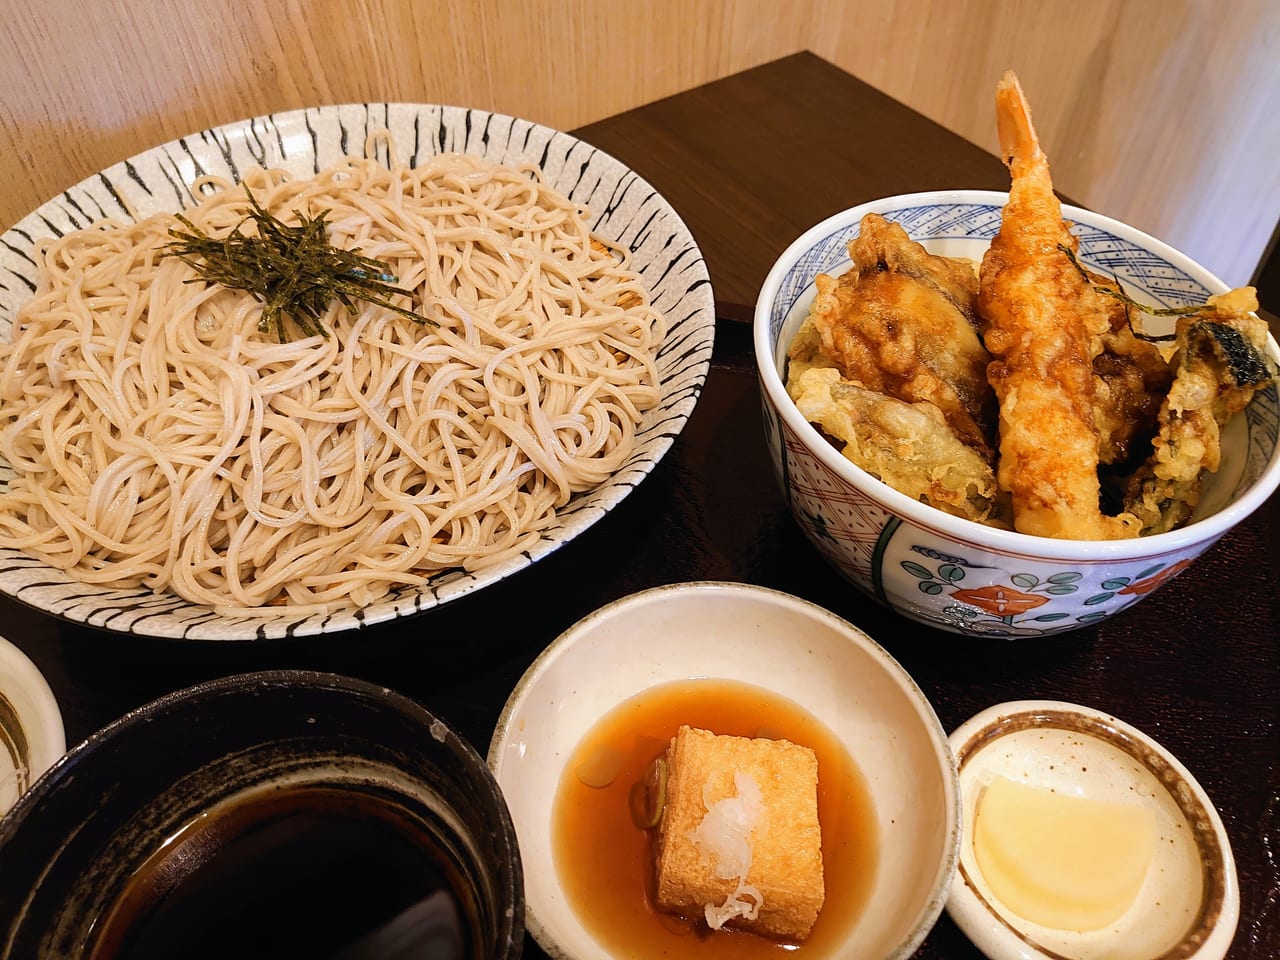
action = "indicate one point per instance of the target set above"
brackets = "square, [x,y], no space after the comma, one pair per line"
[733,802]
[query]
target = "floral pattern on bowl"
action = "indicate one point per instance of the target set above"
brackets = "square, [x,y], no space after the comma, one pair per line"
[954,585]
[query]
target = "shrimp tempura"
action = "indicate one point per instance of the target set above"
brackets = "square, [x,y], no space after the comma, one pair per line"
[1044,325]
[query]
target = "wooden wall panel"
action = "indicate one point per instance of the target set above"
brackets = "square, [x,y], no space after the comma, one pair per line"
[84,83]
[1160,112]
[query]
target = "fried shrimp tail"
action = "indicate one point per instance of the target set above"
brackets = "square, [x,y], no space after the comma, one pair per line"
[1044,325]
[1019,144]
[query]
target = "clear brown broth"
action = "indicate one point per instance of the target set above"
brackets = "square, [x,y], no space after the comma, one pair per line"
[603,859]
[308,870]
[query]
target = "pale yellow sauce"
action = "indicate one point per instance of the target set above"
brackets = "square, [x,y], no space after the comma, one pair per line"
[1065,862]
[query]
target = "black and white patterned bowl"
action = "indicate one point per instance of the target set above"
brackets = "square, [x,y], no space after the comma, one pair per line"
[624,209]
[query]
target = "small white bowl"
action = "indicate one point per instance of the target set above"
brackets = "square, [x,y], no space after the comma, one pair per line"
[31,733]
[953,573]
[1189,904]
[771,640]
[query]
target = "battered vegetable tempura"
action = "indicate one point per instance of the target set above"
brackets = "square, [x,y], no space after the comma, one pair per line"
[1221,362]
[902,322]
[890,366]
[907,445]
[1133,378]
[1045,325]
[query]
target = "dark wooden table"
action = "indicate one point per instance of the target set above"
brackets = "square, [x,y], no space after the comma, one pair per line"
[750,162]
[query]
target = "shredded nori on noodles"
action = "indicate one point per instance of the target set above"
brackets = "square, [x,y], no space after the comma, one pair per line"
[294,270]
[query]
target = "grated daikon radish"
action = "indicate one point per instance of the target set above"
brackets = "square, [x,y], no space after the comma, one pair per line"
[724,839]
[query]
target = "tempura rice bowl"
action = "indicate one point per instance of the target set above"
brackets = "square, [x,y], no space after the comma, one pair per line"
[957,574]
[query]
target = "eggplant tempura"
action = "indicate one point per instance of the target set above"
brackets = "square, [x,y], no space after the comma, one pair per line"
[1220,363]
[904,359]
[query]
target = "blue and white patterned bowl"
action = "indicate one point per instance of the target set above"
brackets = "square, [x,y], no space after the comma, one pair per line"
[624,209]
[953,573]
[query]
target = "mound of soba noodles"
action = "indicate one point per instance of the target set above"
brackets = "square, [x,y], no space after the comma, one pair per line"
[160,439]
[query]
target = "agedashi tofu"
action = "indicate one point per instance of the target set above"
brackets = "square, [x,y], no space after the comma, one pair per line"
[739,840]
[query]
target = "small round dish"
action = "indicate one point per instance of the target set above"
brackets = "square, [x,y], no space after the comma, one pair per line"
[31,733]
[1188,904]
[790,649]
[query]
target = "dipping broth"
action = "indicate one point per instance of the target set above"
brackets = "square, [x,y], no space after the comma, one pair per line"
[604,859]
[307,870]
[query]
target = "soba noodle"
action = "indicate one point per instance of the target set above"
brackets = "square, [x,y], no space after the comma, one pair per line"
[160,439]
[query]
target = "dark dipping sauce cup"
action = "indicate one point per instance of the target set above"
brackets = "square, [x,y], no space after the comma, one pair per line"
[275,814]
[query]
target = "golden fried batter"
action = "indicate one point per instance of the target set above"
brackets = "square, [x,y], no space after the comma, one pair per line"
[1045,326]
[1220,363]
[901,322]
[891,368]
[907,445]
[1133,377]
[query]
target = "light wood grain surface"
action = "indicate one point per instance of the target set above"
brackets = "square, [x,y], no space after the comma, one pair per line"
[1158,112]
